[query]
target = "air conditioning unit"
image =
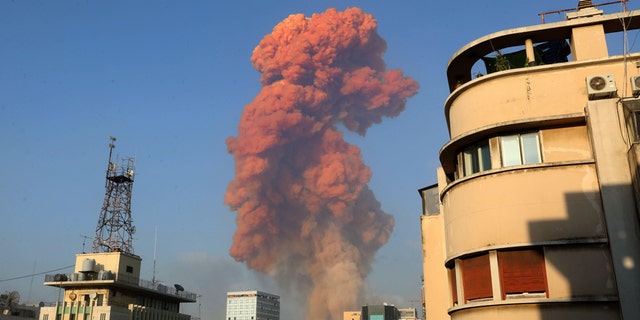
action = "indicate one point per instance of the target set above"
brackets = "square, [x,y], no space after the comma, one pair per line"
[601,86]
[635,86]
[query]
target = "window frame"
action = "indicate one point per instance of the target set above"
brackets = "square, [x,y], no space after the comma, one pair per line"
[523,150]
[632,120]
[475,158]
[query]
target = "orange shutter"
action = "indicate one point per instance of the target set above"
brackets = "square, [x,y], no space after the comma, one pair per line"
[476,278]
[522,271]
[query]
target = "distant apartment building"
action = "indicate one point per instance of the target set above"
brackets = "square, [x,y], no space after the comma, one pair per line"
[535,213]
[380,312]
[252,305]
[408,314]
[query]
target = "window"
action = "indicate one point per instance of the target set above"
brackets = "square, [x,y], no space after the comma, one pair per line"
[520,149]
[522,271]
[633,123]
[476,158]
[129,269]
[476,278]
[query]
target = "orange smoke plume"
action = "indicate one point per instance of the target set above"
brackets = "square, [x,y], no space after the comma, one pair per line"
[305,214]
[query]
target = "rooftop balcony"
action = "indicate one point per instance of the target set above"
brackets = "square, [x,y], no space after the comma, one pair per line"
[546,43]
[107,278]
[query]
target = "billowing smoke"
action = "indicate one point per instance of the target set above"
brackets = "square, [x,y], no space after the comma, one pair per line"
[305,214]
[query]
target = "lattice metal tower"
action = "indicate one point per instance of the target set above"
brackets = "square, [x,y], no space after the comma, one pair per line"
[115,228]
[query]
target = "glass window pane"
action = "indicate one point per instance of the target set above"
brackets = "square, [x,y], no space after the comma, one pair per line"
[470,159]
[485,157]
[530,148]
[510,149]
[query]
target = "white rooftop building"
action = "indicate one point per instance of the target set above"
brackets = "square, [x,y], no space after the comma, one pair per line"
[252,305]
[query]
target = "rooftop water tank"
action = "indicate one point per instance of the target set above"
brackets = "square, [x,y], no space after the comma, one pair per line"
[88,265]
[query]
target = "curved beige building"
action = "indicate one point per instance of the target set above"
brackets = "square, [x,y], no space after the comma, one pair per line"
[535,214]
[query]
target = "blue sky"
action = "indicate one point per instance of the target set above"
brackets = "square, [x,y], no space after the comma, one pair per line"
[170,79]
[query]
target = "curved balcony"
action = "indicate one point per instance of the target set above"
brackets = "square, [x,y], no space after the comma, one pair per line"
[461,63]
[518,206]
[526,94]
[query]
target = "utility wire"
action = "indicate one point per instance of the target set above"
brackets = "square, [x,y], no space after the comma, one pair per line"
[35,274]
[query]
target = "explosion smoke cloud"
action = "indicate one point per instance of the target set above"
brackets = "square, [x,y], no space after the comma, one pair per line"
[305,214]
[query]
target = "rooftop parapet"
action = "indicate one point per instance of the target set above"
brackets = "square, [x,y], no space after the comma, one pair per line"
[63,280]
[461,63]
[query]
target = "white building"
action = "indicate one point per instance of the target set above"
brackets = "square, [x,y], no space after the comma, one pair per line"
[252,305]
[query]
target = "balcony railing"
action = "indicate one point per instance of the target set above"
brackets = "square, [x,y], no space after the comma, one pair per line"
[154,286]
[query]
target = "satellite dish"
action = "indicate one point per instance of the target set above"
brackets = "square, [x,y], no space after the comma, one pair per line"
[92,295]
[178,287]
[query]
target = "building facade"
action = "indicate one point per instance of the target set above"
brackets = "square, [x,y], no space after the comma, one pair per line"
[252,305]
[107,286]
[380,312]
[408,314]
[534,215]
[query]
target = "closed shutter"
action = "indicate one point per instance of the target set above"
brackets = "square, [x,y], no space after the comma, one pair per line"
[476,278]
[522,271]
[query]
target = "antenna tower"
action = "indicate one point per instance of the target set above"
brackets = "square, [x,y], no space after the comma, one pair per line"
[114,232]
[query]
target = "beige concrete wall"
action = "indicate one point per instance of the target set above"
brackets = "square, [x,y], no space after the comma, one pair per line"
[437,292]
[549,311]
[523,206]
[566,144]
[436,283]
[115,262]
[588,42]
[579,271]
[618,198]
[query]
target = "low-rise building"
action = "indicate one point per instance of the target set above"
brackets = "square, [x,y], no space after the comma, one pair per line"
[107,286]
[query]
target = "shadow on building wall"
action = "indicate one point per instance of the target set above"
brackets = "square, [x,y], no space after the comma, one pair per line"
[590,256]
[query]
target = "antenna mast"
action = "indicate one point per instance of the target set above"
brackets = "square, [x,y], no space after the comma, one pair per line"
[114,232]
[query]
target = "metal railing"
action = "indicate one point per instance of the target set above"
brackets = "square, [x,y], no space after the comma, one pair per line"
[154,286]
[624,4]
